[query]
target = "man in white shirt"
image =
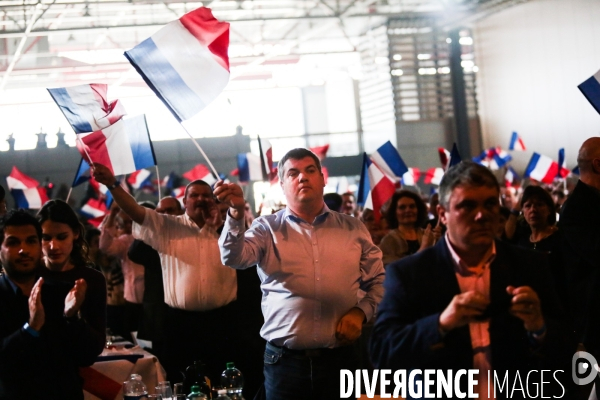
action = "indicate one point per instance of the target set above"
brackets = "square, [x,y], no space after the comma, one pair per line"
[199,289]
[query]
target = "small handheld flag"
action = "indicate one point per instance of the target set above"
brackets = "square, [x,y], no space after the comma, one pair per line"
[516,143]
[541,168]
[591,90]
[18,180]
[388,159]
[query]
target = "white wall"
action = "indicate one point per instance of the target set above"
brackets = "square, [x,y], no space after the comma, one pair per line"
[531,58]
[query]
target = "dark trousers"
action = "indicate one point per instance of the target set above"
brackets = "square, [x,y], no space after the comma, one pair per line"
[208,336]
[302,375]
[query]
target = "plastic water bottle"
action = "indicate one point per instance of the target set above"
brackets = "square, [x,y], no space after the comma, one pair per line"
[232,381]
[196,394]
[134,388]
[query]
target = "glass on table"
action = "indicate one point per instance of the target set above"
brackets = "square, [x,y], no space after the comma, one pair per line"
[164,389]
[178,389]
[179,396]
[155,397]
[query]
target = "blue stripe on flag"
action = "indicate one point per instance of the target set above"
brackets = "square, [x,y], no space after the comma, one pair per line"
[164,80]
[392,158]
[70,110]
[591,91]
[83,174]
[243,168]
[141,145]
[20,199]
[532,164]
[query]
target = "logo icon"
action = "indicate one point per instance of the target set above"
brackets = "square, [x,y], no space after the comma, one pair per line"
[584,368]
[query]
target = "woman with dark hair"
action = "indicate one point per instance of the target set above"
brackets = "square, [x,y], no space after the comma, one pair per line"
[405,216]
[66,262]
[538,211]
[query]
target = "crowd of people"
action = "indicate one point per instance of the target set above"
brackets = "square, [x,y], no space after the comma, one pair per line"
[474,277]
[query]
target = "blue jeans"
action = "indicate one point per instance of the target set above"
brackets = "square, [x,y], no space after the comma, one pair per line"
[315,375]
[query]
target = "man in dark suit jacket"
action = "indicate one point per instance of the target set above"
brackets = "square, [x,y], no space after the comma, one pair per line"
[580,225]
[471,302]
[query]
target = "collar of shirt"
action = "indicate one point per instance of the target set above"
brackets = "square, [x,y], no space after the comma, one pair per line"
[14,287]
[463,269]
[318,219]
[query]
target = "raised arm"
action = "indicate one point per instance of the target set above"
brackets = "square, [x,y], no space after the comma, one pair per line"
[233,195]
[125,201]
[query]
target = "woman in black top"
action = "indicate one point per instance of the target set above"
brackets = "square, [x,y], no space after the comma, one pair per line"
[66,263]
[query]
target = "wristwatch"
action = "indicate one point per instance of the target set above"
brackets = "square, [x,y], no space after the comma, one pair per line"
[114,185]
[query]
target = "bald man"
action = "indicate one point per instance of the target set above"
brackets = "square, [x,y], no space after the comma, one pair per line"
[580,224]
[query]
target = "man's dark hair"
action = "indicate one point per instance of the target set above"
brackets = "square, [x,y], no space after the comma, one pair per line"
[19,217]
[505,212]
[2,193]
[390,215]
[196,182]
[147,204]
[297,154]
[462,174]
[541,194]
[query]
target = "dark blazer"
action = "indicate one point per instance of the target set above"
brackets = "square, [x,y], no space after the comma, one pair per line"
[580,225]
[418,288]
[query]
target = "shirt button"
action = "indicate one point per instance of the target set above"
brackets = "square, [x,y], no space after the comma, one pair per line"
[318,279]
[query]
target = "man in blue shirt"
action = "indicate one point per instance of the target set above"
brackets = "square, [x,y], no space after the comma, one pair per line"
[321,278]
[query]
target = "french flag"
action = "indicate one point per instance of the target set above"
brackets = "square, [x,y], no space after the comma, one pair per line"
[575,171]
[200,172]
[411,177]
[434,176]
[455,157]
[123,147]
[501,157]
[103,192]
[168,181]
[178,193]
[94,208]
[185,63]
[516,143]
[375,187]
[250,167]
[510,177]
[30,199]
[86,107]
[83,173]
[140,179]
[388,159]
[541,168]
[266,159]
[563,172]
[591,90]
[444,157]
[20,181]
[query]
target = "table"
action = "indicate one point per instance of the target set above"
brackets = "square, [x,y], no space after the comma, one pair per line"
[104,379]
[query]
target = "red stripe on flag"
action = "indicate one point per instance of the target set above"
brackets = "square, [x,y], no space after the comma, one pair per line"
[210,32]
[100,90]
[551,173]
[98,384]
[96,147]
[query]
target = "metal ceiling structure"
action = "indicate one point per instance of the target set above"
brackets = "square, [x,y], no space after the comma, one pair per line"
[66,42]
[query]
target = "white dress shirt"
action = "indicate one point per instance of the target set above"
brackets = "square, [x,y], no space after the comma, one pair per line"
[193,276]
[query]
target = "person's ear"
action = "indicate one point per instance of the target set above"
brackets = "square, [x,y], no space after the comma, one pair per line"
[441,211]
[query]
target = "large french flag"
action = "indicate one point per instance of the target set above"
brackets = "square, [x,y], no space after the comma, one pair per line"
[86,107]
[541,168]
[200,172]
[591,90]
[123,147]
[516,143]
[434,176]
[388,159]
[250,167]
[375,187]
[185,63]
[30,199]
[20,181]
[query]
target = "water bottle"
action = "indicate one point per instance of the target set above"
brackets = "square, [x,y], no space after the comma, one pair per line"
[196,394]
[232,381]
[134,388]
[223,395]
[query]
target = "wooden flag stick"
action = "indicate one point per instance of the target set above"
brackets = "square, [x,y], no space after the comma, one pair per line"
[158,184]
[212,167]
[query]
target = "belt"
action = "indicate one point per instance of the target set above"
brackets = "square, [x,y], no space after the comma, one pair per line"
[310,353]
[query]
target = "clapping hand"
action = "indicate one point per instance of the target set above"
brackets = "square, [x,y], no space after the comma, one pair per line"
[526,306]
[462,310]
[75,298]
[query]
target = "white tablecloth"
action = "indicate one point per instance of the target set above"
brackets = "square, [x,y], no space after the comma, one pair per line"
[104,380]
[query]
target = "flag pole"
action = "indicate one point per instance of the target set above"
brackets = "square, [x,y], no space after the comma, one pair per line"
[69,194]
[84,150]
[212,167]
[158,181]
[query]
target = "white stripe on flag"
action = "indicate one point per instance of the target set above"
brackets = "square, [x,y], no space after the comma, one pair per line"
[119,149]
[194,62]
[541,168]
